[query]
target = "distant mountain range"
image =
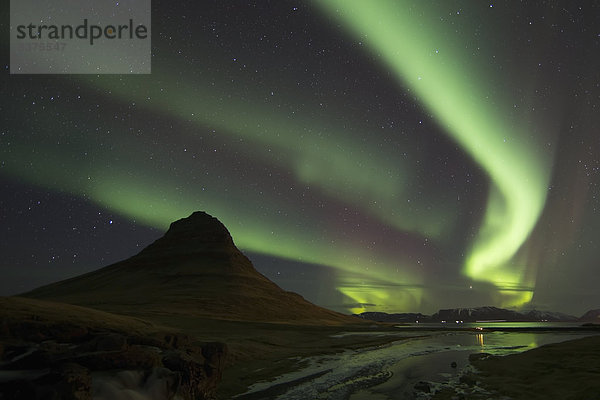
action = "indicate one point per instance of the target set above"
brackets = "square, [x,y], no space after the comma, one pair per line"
[479,314]
[591,316]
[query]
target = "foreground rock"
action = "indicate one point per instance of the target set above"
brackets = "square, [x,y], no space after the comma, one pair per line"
[54,351]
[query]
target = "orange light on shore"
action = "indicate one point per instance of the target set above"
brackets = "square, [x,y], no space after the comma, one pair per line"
[480,339]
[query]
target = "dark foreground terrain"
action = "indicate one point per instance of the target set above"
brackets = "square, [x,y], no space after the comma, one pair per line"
[53,349]
[190,316]
[566,371]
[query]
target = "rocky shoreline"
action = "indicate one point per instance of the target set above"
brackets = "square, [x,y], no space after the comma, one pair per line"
[57,358]
[567,370]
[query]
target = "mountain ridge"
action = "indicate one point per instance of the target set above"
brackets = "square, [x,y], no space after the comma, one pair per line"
[196,270]
[484,313]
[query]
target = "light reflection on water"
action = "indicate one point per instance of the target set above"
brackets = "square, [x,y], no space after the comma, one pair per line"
[480,339]
[369,373]
[495,325]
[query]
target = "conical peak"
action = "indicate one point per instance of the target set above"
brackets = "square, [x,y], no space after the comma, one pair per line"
[199,232]
[200,227]
[194,270]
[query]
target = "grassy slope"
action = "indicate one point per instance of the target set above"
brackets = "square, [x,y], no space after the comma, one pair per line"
[212,286]
[23,309]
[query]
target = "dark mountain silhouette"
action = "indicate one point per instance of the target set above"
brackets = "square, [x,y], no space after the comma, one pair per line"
[194,270]
[591,316]
[551,316]
[487,313]
[477,314]
[396,317]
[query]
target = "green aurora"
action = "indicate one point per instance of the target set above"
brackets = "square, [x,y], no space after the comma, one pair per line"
[430,58]
[134,185]
[406,149]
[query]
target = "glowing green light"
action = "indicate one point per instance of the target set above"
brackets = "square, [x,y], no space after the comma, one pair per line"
[155,207]
[433,62]
[366,293]
[128,181]
[318,153]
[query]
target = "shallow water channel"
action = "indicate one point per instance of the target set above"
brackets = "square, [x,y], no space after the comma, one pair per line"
[425,353]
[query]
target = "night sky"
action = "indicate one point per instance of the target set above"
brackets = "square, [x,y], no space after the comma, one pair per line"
[395,156]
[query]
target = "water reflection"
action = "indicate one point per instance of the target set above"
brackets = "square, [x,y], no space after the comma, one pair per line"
[384,372]
[480,339]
